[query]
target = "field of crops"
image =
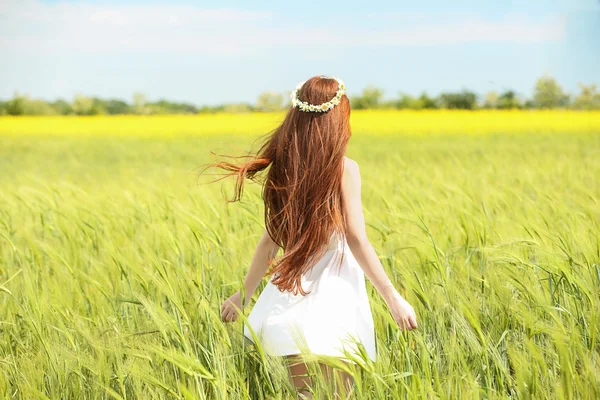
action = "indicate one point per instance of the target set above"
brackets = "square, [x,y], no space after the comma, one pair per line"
[115,258]
[363,121]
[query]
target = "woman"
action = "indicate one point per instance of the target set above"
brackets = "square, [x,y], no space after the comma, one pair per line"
[315,299]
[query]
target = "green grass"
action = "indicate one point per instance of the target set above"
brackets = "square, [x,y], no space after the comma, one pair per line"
[114,264]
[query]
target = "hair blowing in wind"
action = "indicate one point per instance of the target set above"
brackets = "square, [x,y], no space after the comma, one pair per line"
[303,162]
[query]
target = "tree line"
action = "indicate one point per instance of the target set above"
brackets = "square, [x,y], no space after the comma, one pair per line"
[547,94]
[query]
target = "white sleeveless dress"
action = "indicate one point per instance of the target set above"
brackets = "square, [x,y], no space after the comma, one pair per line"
[334,316]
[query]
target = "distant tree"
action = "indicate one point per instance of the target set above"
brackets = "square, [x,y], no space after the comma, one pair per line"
[371,97]
[3,107]
[269,101]
[98,106]
[588,98]
[509,100]
[38,107]
[25,105]
[62,107]
[388,104]
[17,105]
[211,109]
[427,102]
[186,108]
[82,105]
[238,108]
[163,106]
[408,101]
[116,106]
[491,100]
[464,100]
[548,94]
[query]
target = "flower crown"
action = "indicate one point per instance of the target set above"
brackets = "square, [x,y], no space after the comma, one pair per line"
[306,107]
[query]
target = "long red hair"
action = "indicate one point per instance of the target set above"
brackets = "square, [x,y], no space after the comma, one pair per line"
[302,187]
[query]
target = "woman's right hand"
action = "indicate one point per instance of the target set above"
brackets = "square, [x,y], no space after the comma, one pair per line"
[230,307]
[401,310]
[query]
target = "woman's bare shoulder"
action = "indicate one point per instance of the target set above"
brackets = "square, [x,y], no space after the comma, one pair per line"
[350,165]
[351,171]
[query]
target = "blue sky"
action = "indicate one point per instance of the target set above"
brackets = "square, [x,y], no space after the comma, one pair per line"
[230,51]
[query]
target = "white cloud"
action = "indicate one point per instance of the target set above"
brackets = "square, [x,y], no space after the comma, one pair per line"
[33,27]
[511,29]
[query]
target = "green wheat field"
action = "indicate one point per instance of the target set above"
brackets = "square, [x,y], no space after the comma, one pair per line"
[115,259]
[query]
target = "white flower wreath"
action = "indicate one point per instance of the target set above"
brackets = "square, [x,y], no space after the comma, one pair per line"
[306,107]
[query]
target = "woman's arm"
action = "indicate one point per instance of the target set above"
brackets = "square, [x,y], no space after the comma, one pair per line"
[265,251]
[363,251]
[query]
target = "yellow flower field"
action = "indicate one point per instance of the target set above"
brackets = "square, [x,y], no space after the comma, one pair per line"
[363,121]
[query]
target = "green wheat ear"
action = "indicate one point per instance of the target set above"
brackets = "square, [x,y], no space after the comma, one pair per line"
[114,261]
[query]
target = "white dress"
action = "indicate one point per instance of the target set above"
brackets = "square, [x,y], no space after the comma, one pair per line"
[334,316]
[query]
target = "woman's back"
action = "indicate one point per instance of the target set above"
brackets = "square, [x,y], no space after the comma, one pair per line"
[325,321]
[315,299]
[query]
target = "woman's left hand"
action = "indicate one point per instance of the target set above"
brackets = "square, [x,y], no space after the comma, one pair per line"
[229,312]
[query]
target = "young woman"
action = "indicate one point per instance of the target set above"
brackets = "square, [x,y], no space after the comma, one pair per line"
[316,297]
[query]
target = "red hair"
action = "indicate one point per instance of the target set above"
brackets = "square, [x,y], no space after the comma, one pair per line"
[302,187]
